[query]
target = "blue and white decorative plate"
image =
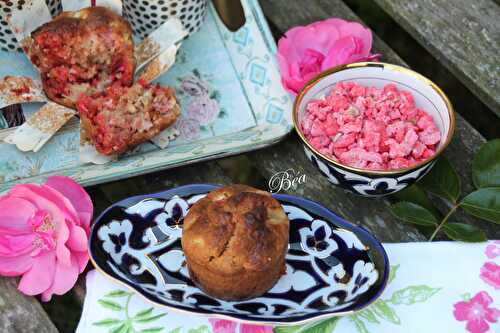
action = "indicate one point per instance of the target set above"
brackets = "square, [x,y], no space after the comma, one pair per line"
[333,267]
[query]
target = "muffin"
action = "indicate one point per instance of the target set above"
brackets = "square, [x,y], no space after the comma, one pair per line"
[121,118]
[235,241]
[82,52]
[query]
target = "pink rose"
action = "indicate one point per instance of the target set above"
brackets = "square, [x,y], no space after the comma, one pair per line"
[477,313]
[304,52]
[493,250]
[188,129]
[43,235]
[204,110]
[226,326]
[490,273]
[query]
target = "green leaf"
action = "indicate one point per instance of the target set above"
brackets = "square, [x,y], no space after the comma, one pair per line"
[486,165]
[107,322]
[324,326]
[144,313]
[110,305]
[484,203]
[417,195]
[412,213]
[369,315]
[464,232]
[466,297]
[392,273]
[151,330]
[384,311]
[201,329]
[360,326]
[413,294]
[117,293]
[442,180]
[149,319]
[120,329]
[176,330]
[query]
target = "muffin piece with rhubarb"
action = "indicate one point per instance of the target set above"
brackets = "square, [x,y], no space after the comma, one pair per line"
[123,117]
[82,52]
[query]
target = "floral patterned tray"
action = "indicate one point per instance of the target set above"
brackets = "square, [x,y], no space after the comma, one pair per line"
[229,88]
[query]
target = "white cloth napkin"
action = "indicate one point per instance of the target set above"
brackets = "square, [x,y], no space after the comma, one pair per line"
[435,287]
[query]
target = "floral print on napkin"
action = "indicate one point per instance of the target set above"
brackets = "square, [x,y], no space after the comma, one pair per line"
[460,297]
[478,311]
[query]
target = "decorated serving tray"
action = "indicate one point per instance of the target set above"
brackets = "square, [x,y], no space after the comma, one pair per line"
[230,75]
[332,267]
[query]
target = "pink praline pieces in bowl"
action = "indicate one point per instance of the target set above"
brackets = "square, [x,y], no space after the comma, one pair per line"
[427,95]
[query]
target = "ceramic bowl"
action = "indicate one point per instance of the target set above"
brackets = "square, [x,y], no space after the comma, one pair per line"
[332,267]
[427,95]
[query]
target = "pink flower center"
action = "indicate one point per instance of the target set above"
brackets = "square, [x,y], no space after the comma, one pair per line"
[476,312]
[44,229]
[311,63]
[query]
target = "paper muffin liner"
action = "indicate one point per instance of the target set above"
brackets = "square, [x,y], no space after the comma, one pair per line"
[40,127]
[147,15]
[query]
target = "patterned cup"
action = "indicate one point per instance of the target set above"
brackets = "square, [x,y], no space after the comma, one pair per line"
[147,15]
[8,41]
[373,183]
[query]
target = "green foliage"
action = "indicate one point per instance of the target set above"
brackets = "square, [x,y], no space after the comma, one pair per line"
[443,181]
[486,165]
[386,312]
[415,194]
[110,305]
[392,273]
[119,301]
[413,294]
[464,232]
[412,213]
[322,326]
[484,203]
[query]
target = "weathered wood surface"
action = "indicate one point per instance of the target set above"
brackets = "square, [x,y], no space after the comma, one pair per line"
[19,313]
[371,213]
[463,35]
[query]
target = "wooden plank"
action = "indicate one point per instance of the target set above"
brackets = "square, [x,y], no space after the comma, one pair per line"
[463,35]
[19,313]
[371,213]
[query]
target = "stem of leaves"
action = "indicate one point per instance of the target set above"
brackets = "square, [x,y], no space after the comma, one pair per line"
[445,219]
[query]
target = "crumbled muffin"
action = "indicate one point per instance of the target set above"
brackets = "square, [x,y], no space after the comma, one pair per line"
[82,52]
[235,241]
[123,117]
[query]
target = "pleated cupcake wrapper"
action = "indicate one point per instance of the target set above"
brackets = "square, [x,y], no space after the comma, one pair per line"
[155,55]
[40,127]
[16,90]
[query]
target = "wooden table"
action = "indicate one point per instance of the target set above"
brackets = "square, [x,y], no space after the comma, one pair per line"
[463,37]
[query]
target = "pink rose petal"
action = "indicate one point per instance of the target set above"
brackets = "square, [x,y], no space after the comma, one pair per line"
[76,195]
[39,278]
[64,279]
[15,266]
[14,221]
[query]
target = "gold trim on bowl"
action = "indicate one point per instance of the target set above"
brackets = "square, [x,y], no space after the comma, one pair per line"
[314,81]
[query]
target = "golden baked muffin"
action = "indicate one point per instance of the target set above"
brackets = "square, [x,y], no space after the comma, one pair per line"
[82,52]
[121,118]
[235,241]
